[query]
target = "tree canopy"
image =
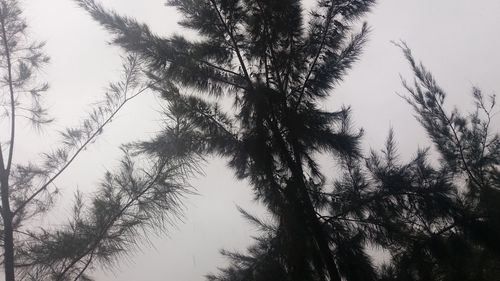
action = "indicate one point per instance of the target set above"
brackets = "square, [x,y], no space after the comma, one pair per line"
[275,66]
[250,87]
[142,193]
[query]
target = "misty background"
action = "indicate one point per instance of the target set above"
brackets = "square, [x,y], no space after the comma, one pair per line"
[458,40]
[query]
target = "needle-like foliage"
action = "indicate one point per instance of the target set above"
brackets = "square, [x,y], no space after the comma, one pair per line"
[109,223]
[21,59]
[454,229]
[275,63]
[144,193]
[436,221]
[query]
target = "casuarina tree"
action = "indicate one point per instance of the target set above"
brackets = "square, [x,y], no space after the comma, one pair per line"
[252,87]
[103,225]
[444,215]
[435,216]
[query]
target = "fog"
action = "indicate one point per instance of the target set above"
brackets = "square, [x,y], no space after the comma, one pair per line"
[458,40]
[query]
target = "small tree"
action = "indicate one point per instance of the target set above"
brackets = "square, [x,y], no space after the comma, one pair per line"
[102,226]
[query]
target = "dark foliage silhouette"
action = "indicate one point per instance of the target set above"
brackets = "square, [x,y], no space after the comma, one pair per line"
[437,221]
[445,222]
[275,68]
[143,193]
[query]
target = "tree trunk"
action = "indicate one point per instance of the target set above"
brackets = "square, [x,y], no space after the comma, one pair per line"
[302,197]
[8,238]
[8,235]
[320,237]
[316,229]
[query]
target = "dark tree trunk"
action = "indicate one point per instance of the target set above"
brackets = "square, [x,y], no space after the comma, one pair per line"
[300,195]
[8,238]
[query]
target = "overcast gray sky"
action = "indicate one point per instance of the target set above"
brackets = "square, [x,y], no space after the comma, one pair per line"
[457,39]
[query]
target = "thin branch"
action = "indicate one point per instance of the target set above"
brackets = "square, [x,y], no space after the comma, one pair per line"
[110,223]
[91,257]
[271,50]
[218,67]
[80,149]
[369,222]
[235,44]
[329,18]
[221,126]
[459,145]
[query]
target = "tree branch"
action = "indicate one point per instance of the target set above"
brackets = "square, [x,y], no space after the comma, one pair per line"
[109,224]
[86,265]
[80,149]
[234,43]
[330,15]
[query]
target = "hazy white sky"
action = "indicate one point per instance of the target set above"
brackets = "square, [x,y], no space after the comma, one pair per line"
[457,39]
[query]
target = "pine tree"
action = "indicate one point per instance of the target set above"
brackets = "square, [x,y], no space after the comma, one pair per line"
[450,224]
[437,221]
[20,59]
[276,69]
[275,66]
[105,224]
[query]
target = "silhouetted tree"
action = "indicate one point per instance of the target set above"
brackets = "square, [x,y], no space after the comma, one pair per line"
[276,66]
[104,224]
[20,59]
[437,221]
[446,221]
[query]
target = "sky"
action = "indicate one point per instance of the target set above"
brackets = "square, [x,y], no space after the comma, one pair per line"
[458,40]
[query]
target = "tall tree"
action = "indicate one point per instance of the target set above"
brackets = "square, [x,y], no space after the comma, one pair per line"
[276,66]
[104,224]
[438,220]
